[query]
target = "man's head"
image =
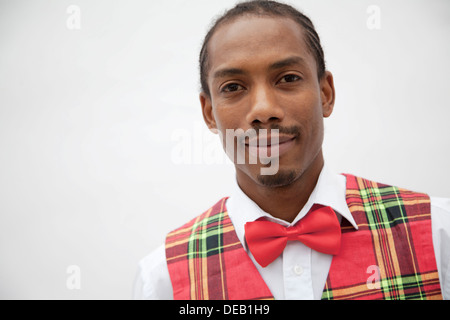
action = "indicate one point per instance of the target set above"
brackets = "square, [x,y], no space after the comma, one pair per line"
[262,67]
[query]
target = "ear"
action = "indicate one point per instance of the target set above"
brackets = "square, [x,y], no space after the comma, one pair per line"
[208,115]
[327,94]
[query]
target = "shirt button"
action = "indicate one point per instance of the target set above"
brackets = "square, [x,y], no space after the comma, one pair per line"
[298,270]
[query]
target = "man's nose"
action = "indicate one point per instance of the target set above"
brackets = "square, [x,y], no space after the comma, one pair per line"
[264,107]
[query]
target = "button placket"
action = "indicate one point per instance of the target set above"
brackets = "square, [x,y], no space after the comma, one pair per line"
[297,274]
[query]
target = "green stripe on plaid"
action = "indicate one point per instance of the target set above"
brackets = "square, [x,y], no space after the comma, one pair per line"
[206,237]
[405,283]
[382,212]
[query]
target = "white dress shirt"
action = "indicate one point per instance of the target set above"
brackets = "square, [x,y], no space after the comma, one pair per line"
[300,272]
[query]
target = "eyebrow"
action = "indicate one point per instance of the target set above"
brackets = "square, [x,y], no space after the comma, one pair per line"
[227,72]
[287,63]
[223,73]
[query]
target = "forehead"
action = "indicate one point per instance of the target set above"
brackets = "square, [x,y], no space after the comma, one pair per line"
[257,40]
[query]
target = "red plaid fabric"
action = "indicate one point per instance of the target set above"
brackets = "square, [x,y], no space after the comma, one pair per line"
[391,255]
[207,261]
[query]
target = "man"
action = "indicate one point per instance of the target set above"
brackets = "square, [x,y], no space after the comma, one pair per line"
[299,231]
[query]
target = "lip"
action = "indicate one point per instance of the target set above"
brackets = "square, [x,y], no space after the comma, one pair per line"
[267,141]
[272,147]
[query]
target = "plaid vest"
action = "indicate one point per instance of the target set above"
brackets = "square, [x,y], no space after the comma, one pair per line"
[390,256]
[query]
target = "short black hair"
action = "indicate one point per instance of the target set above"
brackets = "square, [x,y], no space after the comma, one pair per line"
[263,8]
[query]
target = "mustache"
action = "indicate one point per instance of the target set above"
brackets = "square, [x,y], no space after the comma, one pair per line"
[292,130]
[255,132]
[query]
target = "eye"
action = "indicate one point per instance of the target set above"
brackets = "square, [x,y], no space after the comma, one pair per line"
[232,87]
[290,78]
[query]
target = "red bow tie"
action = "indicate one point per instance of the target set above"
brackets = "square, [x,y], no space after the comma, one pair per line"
[319,230]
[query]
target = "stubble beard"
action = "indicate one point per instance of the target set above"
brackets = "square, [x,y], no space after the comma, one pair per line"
[282,178]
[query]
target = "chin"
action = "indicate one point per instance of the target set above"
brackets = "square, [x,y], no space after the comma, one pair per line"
[282,178]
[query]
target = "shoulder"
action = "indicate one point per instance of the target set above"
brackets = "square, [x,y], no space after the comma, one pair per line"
[152,279]
[440,216]
[441,204]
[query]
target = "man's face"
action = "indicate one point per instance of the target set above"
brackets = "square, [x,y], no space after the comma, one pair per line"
[262,76]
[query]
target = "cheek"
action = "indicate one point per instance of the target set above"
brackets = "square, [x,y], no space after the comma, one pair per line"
[305,109]
[314,129]
[227,117]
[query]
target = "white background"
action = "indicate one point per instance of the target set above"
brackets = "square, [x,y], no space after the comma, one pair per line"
[88,117]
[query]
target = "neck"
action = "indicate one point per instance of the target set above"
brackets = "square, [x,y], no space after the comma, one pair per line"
[283,202]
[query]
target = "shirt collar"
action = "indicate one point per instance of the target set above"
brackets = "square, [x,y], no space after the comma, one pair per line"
[330,191]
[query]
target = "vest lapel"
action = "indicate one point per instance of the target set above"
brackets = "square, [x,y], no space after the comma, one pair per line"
[391,254]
